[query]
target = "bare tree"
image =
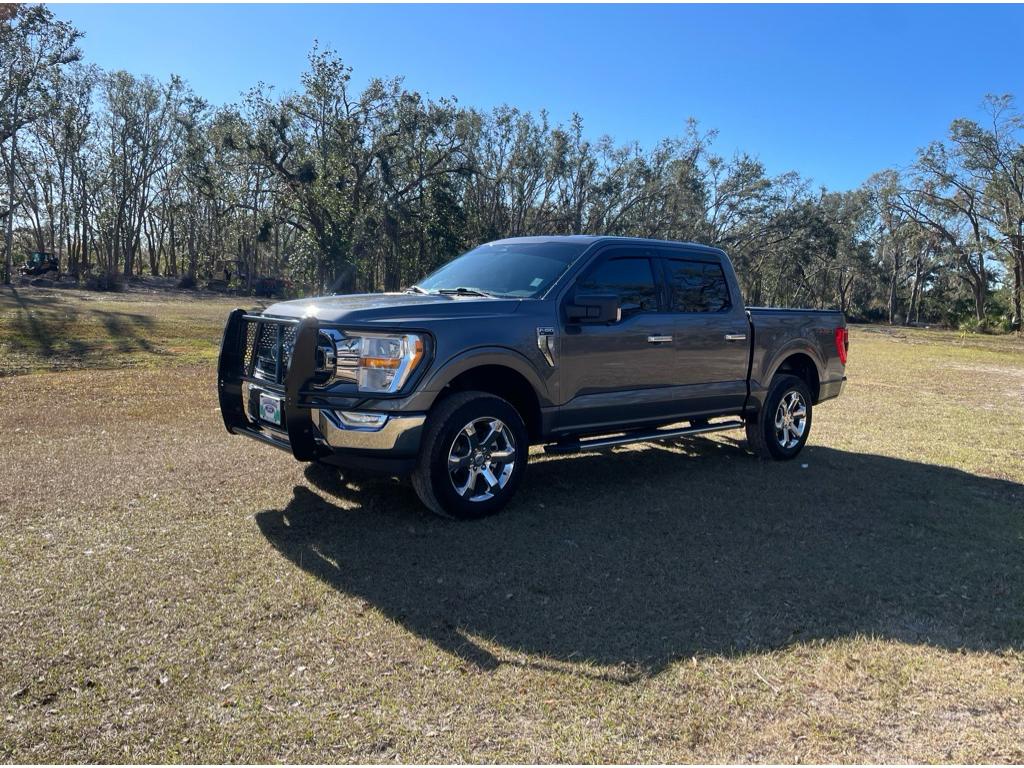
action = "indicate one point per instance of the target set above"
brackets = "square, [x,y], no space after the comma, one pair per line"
[34,48]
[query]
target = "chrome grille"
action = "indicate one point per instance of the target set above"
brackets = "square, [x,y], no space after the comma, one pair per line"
[268,349]
[348,359]
[337,357]
[268,353]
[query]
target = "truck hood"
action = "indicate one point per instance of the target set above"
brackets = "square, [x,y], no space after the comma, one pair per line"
[388,308]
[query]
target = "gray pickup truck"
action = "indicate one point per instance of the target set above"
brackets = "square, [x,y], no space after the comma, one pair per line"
[573,343]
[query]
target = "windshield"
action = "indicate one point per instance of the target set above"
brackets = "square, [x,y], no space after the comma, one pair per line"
[513,270]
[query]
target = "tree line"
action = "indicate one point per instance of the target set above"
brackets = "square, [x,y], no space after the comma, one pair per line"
[335,188]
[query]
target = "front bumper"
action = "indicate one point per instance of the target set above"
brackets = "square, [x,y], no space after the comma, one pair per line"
[400,433]
[314,424]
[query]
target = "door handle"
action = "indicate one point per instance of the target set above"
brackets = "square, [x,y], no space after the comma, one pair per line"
[658,339]
[735,337]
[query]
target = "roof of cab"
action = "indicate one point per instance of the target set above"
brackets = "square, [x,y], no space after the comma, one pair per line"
[592,239]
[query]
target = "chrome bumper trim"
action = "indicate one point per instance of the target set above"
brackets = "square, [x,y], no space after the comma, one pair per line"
[400,433]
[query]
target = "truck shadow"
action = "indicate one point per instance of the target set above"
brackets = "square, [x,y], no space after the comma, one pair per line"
[654,554]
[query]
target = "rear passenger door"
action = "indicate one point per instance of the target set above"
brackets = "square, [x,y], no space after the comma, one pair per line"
[710,330]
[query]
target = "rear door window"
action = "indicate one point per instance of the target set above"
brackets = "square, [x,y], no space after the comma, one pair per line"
[696,286]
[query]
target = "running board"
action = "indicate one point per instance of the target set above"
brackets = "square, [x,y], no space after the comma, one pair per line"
[576,446]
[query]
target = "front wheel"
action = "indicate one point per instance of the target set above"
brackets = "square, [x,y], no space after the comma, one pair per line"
[473,456]
[783,425]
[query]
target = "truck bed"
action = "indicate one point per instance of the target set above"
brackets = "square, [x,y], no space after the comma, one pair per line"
[776,332]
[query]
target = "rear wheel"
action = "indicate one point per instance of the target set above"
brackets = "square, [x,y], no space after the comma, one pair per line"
[473,456]
[783,425]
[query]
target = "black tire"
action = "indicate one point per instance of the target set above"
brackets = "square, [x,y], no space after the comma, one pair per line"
[769,442]
[446,425]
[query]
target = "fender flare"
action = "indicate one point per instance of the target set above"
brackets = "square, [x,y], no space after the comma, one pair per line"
[790,348]
[442,375]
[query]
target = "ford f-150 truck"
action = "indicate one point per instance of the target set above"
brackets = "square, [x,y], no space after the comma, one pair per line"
[573,343]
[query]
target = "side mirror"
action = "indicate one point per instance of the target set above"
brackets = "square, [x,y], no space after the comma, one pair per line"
[594,308]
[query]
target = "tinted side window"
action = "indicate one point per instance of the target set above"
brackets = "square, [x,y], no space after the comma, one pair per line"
[697,286]
[630,278]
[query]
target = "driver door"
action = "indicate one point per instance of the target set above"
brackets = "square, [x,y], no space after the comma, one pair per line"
[622,371]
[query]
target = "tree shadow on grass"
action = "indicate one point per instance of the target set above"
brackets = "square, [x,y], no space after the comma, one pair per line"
[51,332]
[649,555]
[36,328]
[128,330]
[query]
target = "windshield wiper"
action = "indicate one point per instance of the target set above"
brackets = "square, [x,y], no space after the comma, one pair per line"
[462,291]
[415,289]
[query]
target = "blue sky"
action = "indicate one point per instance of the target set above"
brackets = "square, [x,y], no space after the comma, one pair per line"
[835,92]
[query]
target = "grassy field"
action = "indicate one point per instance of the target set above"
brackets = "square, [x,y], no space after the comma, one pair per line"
[61,329]
[170,592]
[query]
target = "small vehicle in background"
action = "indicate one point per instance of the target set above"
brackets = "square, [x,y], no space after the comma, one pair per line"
[41,264]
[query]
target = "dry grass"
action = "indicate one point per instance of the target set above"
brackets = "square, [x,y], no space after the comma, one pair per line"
[173,593]
[62,329]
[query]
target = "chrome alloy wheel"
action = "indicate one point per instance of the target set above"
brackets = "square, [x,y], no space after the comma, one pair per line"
[790,420]
[481,459]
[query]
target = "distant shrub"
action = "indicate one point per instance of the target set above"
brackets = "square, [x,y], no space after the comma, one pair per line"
[1005,323]
[991,324]
[187,283]
[105,281]
[971,325]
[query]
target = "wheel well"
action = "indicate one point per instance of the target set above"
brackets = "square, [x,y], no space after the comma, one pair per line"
[506,383]
[802,366]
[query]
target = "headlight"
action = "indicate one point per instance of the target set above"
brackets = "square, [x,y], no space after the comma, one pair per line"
[375,362]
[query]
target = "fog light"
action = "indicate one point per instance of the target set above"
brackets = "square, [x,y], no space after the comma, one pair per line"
[362,420]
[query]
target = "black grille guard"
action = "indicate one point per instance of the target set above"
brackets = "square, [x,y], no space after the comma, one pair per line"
[236,364]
